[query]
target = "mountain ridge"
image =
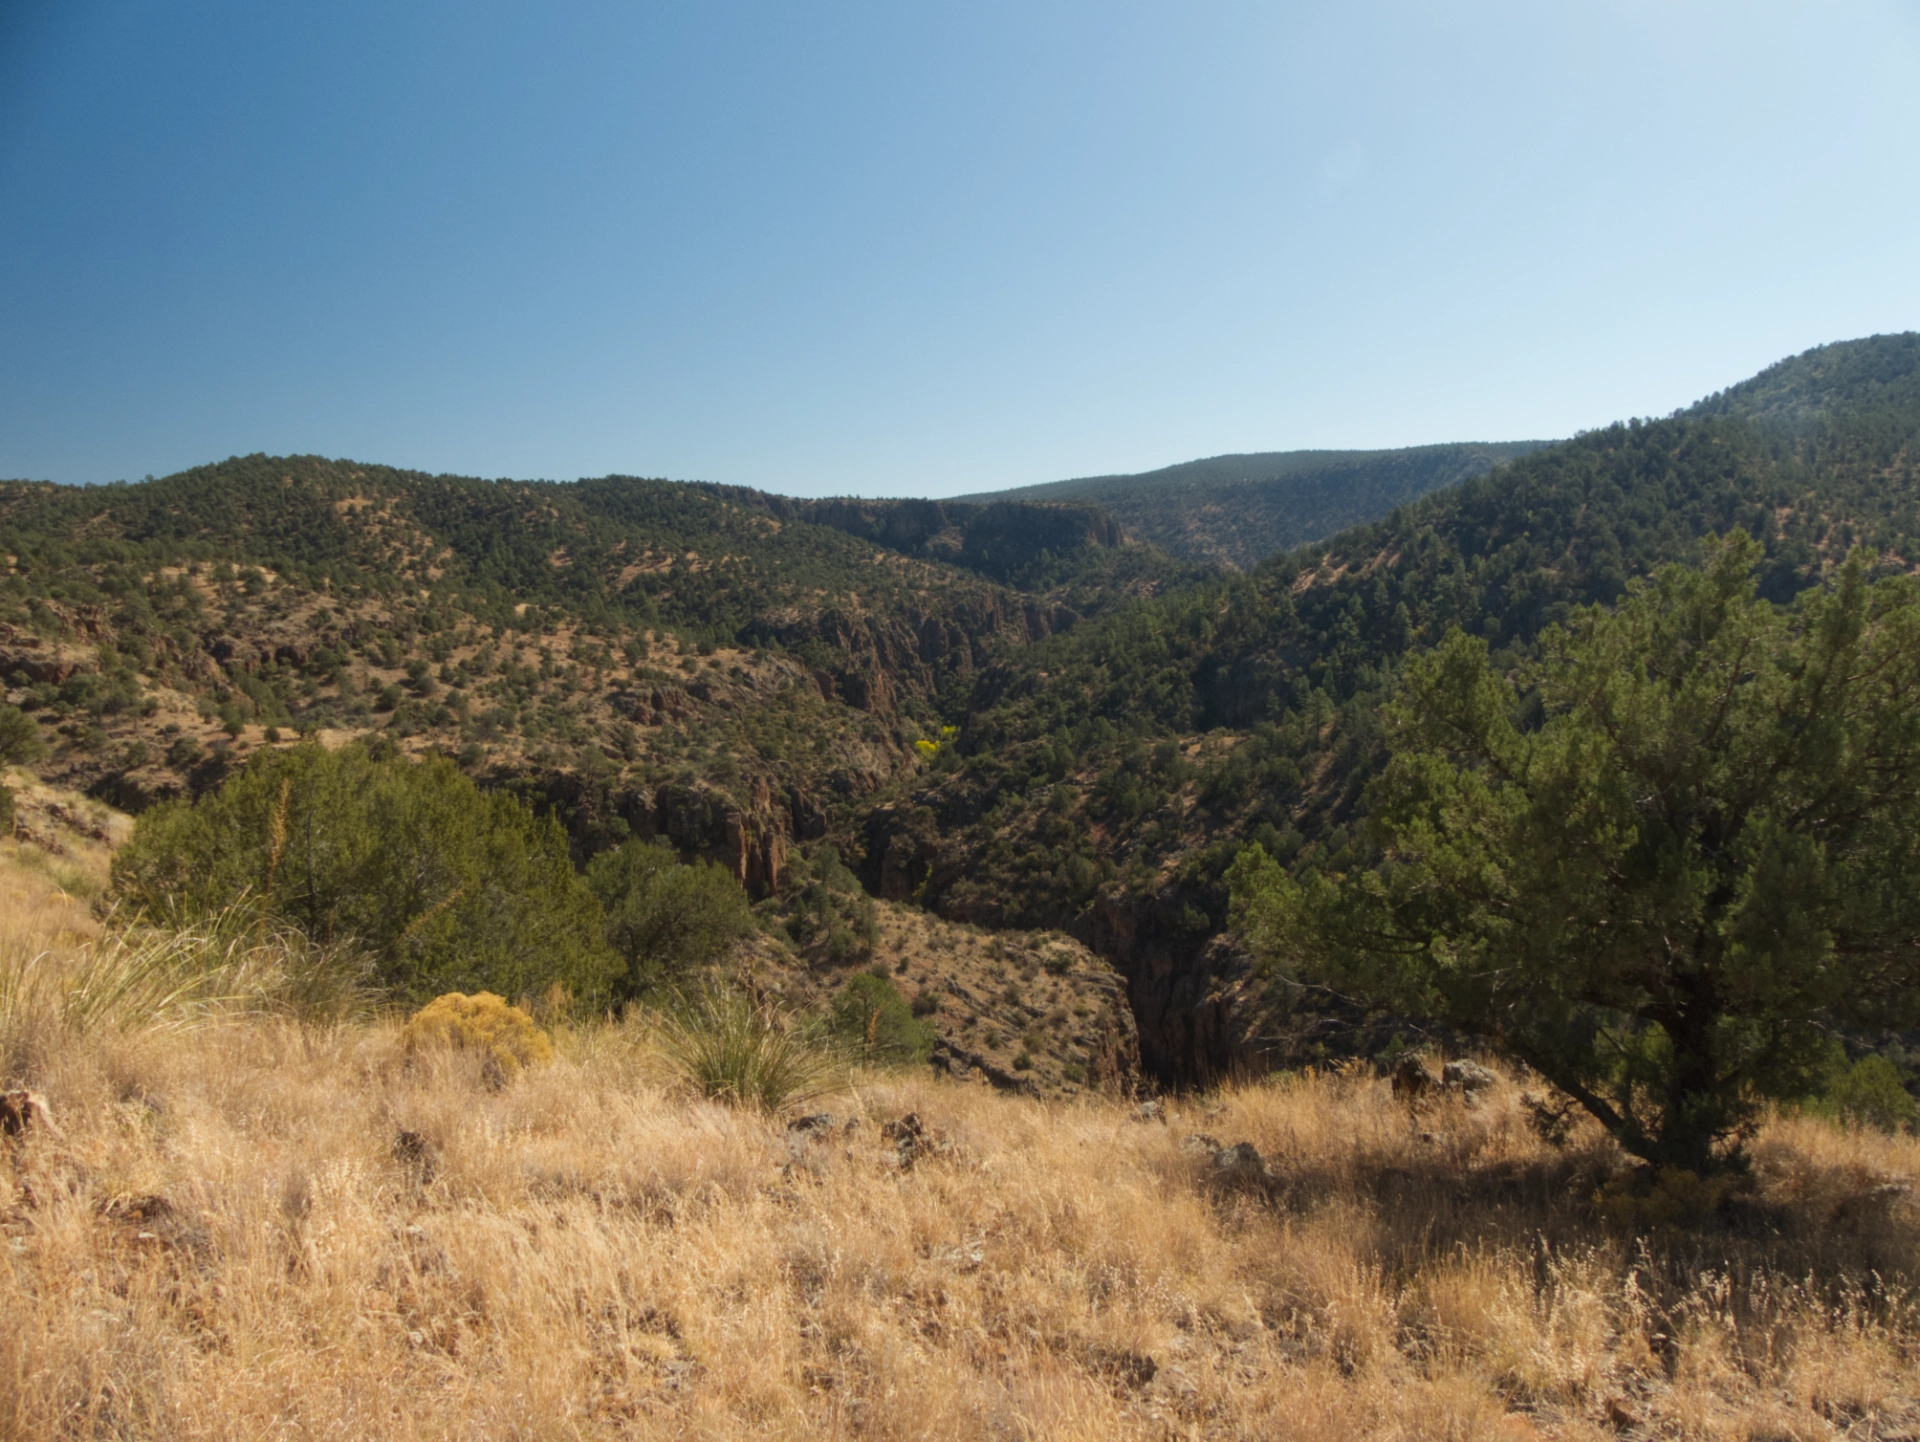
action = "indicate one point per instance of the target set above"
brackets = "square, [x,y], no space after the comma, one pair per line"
[1235,510]
[1075,739]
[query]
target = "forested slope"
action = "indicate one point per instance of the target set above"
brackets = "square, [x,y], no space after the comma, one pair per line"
[1004,712]
[1105,777]
[718,666]
[1237,510]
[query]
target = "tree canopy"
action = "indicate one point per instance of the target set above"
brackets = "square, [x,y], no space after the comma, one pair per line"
[1659,864]
[663,919]
[19,737]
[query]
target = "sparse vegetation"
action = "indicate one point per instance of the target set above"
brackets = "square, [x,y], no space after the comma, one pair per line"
[1238,510]
[587,1250]
[966,785]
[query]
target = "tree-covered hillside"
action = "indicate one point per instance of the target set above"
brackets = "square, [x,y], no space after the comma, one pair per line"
[1237,510]
[1107,776]
[718,666]
[703,561]
[1003,712]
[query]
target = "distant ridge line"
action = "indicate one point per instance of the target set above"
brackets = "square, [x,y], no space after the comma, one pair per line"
[1240,466]
[1235,510]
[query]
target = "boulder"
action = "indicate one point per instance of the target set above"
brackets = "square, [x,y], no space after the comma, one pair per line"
[1411,1079]
[22,1112]
[418,1157]
[1241,1164]
[1467,1077]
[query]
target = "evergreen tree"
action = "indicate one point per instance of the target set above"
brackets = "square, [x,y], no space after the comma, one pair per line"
[664,919]
[1701,853]
[450,888]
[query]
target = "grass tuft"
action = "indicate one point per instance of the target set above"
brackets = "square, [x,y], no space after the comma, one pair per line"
[142,978]
[729,1047]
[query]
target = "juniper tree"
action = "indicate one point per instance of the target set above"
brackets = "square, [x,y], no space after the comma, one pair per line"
[1658,865]
[449,888]
[665,920]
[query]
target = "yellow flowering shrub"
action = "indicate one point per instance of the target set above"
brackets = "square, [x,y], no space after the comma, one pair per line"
[481,1022]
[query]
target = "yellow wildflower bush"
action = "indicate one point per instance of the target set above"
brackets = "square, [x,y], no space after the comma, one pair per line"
[482,1022]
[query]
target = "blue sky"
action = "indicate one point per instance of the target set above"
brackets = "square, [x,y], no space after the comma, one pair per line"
[923,248]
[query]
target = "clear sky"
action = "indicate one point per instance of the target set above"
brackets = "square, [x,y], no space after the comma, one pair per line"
[923,248]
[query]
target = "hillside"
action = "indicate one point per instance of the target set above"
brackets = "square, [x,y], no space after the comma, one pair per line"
[1235,511]
[1105,778]
[691,660]
[1006,714]
[232,1222]
[724,670]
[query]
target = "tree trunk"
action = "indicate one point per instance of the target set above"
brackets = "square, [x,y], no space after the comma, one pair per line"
[1693,1113]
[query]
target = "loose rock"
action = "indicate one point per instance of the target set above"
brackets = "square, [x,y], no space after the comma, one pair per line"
[1467,1077]
[912,1139]
[27,1111]
[417,1156]
[1241,1163]
[1411,1079]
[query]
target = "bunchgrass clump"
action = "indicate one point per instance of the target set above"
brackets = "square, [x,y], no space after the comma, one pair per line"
[732,1048]
[140,978]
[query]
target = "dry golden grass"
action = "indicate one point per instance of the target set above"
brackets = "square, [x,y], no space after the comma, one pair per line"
[232,1240]
[261,1228]
[53,866]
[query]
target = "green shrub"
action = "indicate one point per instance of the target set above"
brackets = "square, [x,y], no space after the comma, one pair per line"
[484,1023]
[730,1048]
[1870,1094]
[1644,1199]
[20,739]
[446,887]
[1542,883]
[870,1018]
[665,920]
